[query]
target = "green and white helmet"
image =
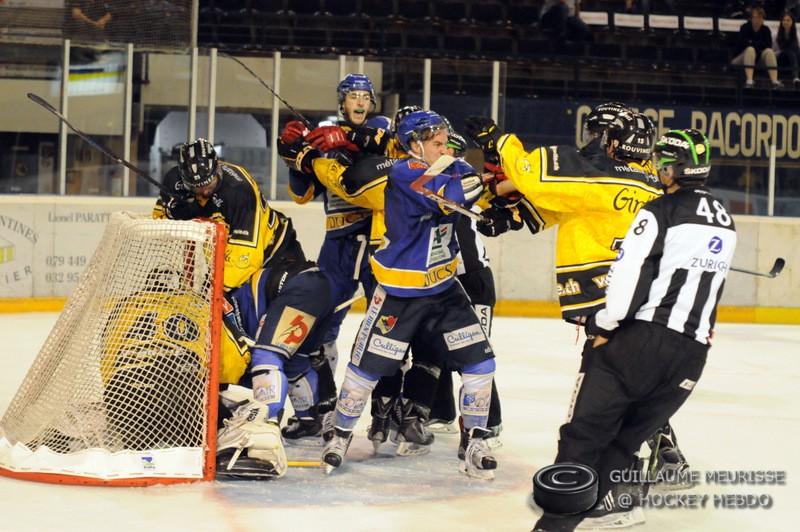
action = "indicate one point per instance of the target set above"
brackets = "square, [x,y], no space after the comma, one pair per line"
[688,152]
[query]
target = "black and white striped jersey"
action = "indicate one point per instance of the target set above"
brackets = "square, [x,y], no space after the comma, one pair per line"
[471,249]
[672,265]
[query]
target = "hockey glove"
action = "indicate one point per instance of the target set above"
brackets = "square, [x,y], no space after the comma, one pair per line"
[180,208]
[473,188]
[493,177]
[485,133]
[499,220]
[293,131]
[367,139]
[329,138]
[298,155]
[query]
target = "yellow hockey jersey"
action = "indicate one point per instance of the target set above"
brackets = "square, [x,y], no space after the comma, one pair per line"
[256,232]
[592,198]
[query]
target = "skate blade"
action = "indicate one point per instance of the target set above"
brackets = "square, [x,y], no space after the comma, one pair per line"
[627,519]
[309,442]
[494,442]
[406,448]
[443,428]
[480,474]
[329,469]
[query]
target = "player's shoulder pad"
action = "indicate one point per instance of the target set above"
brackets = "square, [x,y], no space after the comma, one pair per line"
[378,121]
[366,170]
[232,172]
[460,168]
[408,169]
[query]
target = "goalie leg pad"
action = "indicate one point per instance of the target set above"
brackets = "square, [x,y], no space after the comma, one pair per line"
[248,430]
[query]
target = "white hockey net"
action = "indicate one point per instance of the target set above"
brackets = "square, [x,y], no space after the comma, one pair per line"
[124,389]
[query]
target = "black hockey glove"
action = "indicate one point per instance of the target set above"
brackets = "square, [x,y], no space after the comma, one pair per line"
[180,208]
[485,133]
[499,220]
[298,155]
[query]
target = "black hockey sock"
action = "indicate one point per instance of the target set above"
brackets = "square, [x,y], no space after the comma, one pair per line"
[444,404]
[420,385]
[495,413]
[387,387]
[326,387]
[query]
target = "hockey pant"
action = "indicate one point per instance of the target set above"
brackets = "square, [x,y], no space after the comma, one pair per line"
[345,259]
[629,388]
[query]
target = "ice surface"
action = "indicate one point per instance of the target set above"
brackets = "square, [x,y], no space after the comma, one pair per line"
[743,415]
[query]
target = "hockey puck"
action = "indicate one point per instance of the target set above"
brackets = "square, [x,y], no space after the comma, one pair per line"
[565,488]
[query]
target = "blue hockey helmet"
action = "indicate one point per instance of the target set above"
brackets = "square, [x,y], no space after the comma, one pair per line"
[402,113]
[355,82]
[418,126]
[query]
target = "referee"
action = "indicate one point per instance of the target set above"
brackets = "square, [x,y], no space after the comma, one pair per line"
[653,335]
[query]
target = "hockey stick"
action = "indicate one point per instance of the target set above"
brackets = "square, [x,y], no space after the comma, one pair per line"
[358,295]
[39,100]
[435,169]
[777,268]
[296,113]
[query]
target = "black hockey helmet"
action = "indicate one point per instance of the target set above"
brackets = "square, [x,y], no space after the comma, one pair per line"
[402,113]
[455,142]
[198,163]
[631,136]
[598,119]
[687,152]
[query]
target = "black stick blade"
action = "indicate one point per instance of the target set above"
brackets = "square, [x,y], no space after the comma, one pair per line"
[777,267]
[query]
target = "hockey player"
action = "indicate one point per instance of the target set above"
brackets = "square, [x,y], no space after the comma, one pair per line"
[344,252]
[206,187]
[417,298]
[561,185]
[282,313]
[475,276]
[652,337]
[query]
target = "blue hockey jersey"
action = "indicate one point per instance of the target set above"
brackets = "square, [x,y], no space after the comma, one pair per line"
[419,254]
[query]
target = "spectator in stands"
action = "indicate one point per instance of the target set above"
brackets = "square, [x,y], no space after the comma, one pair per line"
[755,43]
[88,20]
[561,17]
[786,46]
[666,6]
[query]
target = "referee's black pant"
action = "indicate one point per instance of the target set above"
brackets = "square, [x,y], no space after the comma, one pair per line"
[626,390]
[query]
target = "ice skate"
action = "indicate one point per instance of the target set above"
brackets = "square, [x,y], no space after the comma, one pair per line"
[335,449]
[478,461]
[667,467]
[383,425]
[412,437]
[248,430]
[442,426]
[609,513]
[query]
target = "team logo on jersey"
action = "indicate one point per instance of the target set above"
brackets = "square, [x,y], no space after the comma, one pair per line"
[524,165]
[292,329]
[439,243]
[386,323]
[715,245]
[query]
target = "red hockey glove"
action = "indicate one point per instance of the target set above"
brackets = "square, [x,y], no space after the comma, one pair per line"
[293,131]
[329,138]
